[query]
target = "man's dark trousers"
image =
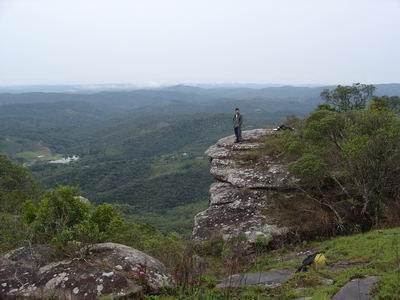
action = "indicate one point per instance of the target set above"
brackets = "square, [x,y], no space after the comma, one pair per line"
[238,134]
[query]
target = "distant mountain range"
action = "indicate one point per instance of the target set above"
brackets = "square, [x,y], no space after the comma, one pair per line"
[95,88]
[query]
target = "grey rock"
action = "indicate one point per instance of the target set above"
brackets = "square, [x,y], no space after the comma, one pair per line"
[239,212]
[269,175]
[83,199]
[272,278]
[222,193]
[29,272]
[357,289]
[242,193]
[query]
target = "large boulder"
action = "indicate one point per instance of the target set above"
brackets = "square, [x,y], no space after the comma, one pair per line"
[243,191]
[106,269]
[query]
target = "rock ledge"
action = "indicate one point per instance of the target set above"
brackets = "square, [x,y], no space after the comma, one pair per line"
[242,193]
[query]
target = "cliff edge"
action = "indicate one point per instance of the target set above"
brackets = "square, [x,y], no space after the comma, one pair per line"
[242,200]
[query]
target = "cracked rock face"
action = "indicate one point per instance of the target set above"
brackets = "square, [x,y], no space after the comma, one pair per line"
[242,192]
[109,269]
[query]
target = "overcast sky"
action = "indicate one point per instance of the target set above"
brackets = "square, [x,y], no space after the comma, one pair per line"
[150,42]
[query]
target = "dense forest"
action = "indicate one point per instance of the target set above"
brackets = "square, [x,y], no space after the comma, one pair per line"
[142,149]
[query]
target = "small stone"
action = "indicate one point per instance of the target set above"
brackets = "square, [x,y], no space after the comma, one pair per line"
[99,289]
[326,281]
[4,284]
[75,290]
[118,267]
[109,274]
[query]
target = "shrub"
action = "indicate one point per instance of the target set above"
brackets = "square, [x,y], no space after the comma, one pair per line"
[63,219]
[13,232]
[16,186]
[59,209]
[349,160]
[105,215]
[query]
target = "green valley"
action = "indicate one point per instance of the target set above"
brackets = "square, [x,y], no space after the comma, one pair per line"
[141,149]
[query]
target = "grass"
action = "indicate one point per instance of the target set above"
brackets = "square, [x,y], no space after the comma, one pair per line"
[26,151]
[32,157]
[373,253]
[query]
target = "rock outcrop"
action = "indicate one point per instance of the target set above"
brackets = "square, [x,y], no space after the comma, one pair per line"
[108,269]
[243,191]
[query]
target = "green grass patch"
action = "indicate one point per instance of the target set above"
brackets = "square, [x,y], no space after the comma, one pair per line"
[373,253]
[26,151]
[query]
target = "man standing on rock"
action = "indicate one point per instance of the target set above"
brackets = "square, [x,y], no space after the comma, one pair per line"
[237,125]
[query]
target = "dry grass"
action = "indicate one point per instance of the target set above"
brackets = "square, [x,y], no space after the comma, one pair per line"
[305,219]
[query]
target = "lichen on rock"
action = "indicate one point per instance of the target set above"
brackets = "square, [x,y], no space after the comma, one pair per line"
[108,269]
[242,193]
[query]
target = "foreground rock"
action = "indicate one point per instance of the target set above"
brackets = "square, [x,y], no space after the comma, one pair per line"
[357,289]
[243,192]
[107,270]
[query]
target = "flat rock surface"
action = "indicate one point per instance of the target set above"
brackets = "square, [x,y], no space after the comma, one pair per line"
[357,289]
[107,269]
[226,165]
[271,278]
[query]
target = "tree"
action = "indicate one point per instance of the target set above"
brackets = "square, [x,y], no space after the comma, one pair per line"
[60,209]
[386,102]
[105,215]
[349,161]
[63,218]
[345,98]
[16,186]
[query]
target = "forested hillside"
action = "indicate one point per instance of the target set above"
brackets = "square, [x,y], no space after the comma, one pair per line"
[143,148]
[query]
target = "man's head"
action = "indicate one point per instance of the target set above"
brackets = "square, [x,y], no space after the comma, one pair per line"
[236,110]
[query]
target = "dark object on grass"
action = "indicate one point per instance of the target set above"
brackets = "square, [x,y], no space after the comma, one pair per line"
[283,127]
[317,259]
